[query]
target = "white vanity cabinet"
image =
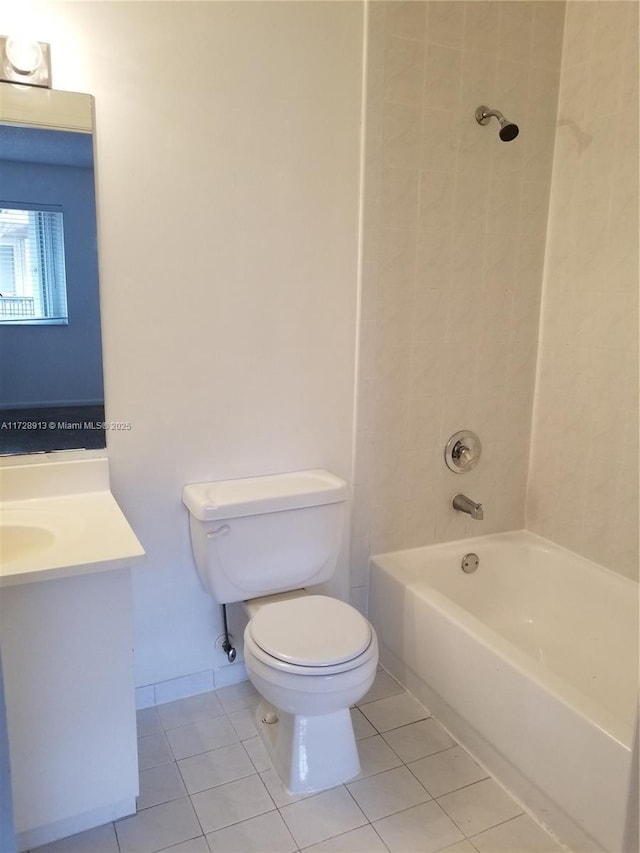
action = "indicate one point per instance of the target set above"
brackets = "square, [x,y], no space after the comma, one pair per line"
[66,641]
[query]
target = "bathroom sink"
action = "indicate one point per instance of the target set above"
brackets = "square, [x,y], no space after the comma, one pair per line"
[59,520]
[24,533]
[18,540]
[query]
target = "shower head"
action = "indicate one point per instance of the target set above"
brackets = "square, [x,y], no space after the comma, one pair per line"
[508,130]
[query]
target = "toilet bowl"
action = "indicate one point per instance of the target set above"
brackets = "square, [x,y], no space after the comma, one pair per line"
[263,541]
[310,657]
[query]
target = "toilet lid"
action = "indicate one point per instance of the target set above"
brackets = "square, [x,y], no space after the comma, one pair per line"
[313,630]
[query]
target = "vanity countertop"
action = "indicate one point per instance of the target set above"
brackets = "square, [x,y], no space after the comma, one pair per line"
[58,521]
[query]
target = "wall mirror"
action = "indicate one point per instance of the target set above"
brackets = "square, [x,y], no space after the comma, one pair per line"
[51,386]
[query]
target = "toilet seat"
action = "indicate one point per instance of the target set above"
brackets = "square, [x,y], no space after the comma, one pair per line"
[310,635]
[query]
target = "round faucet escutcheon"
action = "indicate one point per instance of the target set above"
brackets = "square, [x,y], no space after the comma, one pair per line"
[462,451]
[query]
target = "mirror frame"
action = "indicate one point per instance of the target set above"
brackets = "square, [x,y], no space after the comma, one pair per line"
[49,108]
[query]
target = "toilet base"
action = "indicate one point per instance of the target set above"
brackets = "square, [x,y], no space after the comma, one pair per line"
[309,753]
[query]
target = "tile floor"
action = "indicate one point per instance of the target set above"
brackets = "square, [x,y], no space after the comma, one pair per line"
[207,786]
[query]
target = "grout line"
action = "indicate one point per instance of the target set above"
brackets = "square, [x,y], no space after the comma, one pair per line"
[486,829]
[113,824]
[501,823]
[450,818]
[251,761]
[369,822]
[235,822]
[395,728]
[379,836]
[462,787]
[378,699]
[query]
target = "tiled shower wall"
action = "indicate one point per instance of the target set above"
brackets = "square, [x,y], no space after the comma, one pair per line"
[583,490]
[453,250]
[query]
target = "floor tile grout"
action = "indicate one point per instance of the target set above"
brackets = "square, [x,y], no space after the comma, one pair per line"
[453,790]
[226,715]
[378,733]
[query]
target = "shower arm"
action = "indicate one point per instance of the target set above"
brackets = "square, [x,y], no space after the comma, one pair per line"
[483,115]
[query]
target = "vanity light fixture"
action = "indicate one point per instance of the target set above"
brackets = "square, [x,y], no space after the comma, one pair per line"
[25,61]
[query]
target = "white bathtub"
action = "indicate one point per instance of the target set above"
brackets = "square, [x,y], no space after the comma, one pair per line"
[531,662]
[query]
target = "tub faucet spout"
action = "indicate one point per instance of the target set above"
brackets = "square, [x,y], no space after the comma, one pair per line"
[464,504]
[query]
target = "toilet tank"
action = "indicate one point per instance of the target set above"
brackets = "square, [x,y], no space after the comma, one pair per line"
[262,535]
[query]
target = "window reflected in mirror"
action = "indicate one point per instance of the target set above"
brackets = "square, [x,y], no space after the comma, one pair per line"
[33,286]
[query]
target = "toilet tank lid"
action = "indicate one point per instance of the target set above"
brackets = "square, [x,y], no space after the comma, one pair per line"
[256,495]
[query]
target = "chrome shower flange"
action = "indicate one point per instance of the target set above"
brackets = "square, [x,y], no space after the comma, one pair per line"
[481,115]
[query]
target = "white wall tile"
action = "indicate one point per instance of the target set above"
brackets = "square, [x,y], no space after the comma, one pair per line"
[477,263]
[188,685]
[479,84]
[516,30]
[445,23]
[578,33]
[440,138]
[145,696]
[590,295]
[406,18]
[481,23]
[402,125]
[404,71]
[444,73]
[230,674]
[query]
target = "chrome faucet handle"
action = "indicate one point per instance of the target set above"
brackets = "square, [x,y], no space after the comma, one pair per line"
[462,452]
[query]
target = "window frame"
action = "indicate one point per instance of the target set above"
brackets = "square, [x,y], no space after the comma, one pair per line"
[49,250]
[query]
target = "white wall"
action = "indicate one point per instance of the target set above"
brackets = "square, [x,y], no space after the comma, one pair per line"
[227,169]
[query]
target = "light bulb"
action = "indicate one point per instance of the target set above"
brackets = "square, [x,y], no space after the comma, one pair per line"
[24,55]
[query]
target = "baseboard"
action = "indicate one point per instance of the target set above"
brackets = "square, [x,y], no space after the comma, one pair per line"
[32,838]
[189,685]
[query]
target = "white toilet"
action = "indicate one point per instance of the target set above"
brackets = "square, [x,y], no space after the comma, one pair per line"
[310,657]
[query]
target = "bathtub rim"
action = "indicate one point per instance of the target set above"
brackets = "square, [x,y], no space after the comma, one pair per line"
[619,730]
[521,536]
